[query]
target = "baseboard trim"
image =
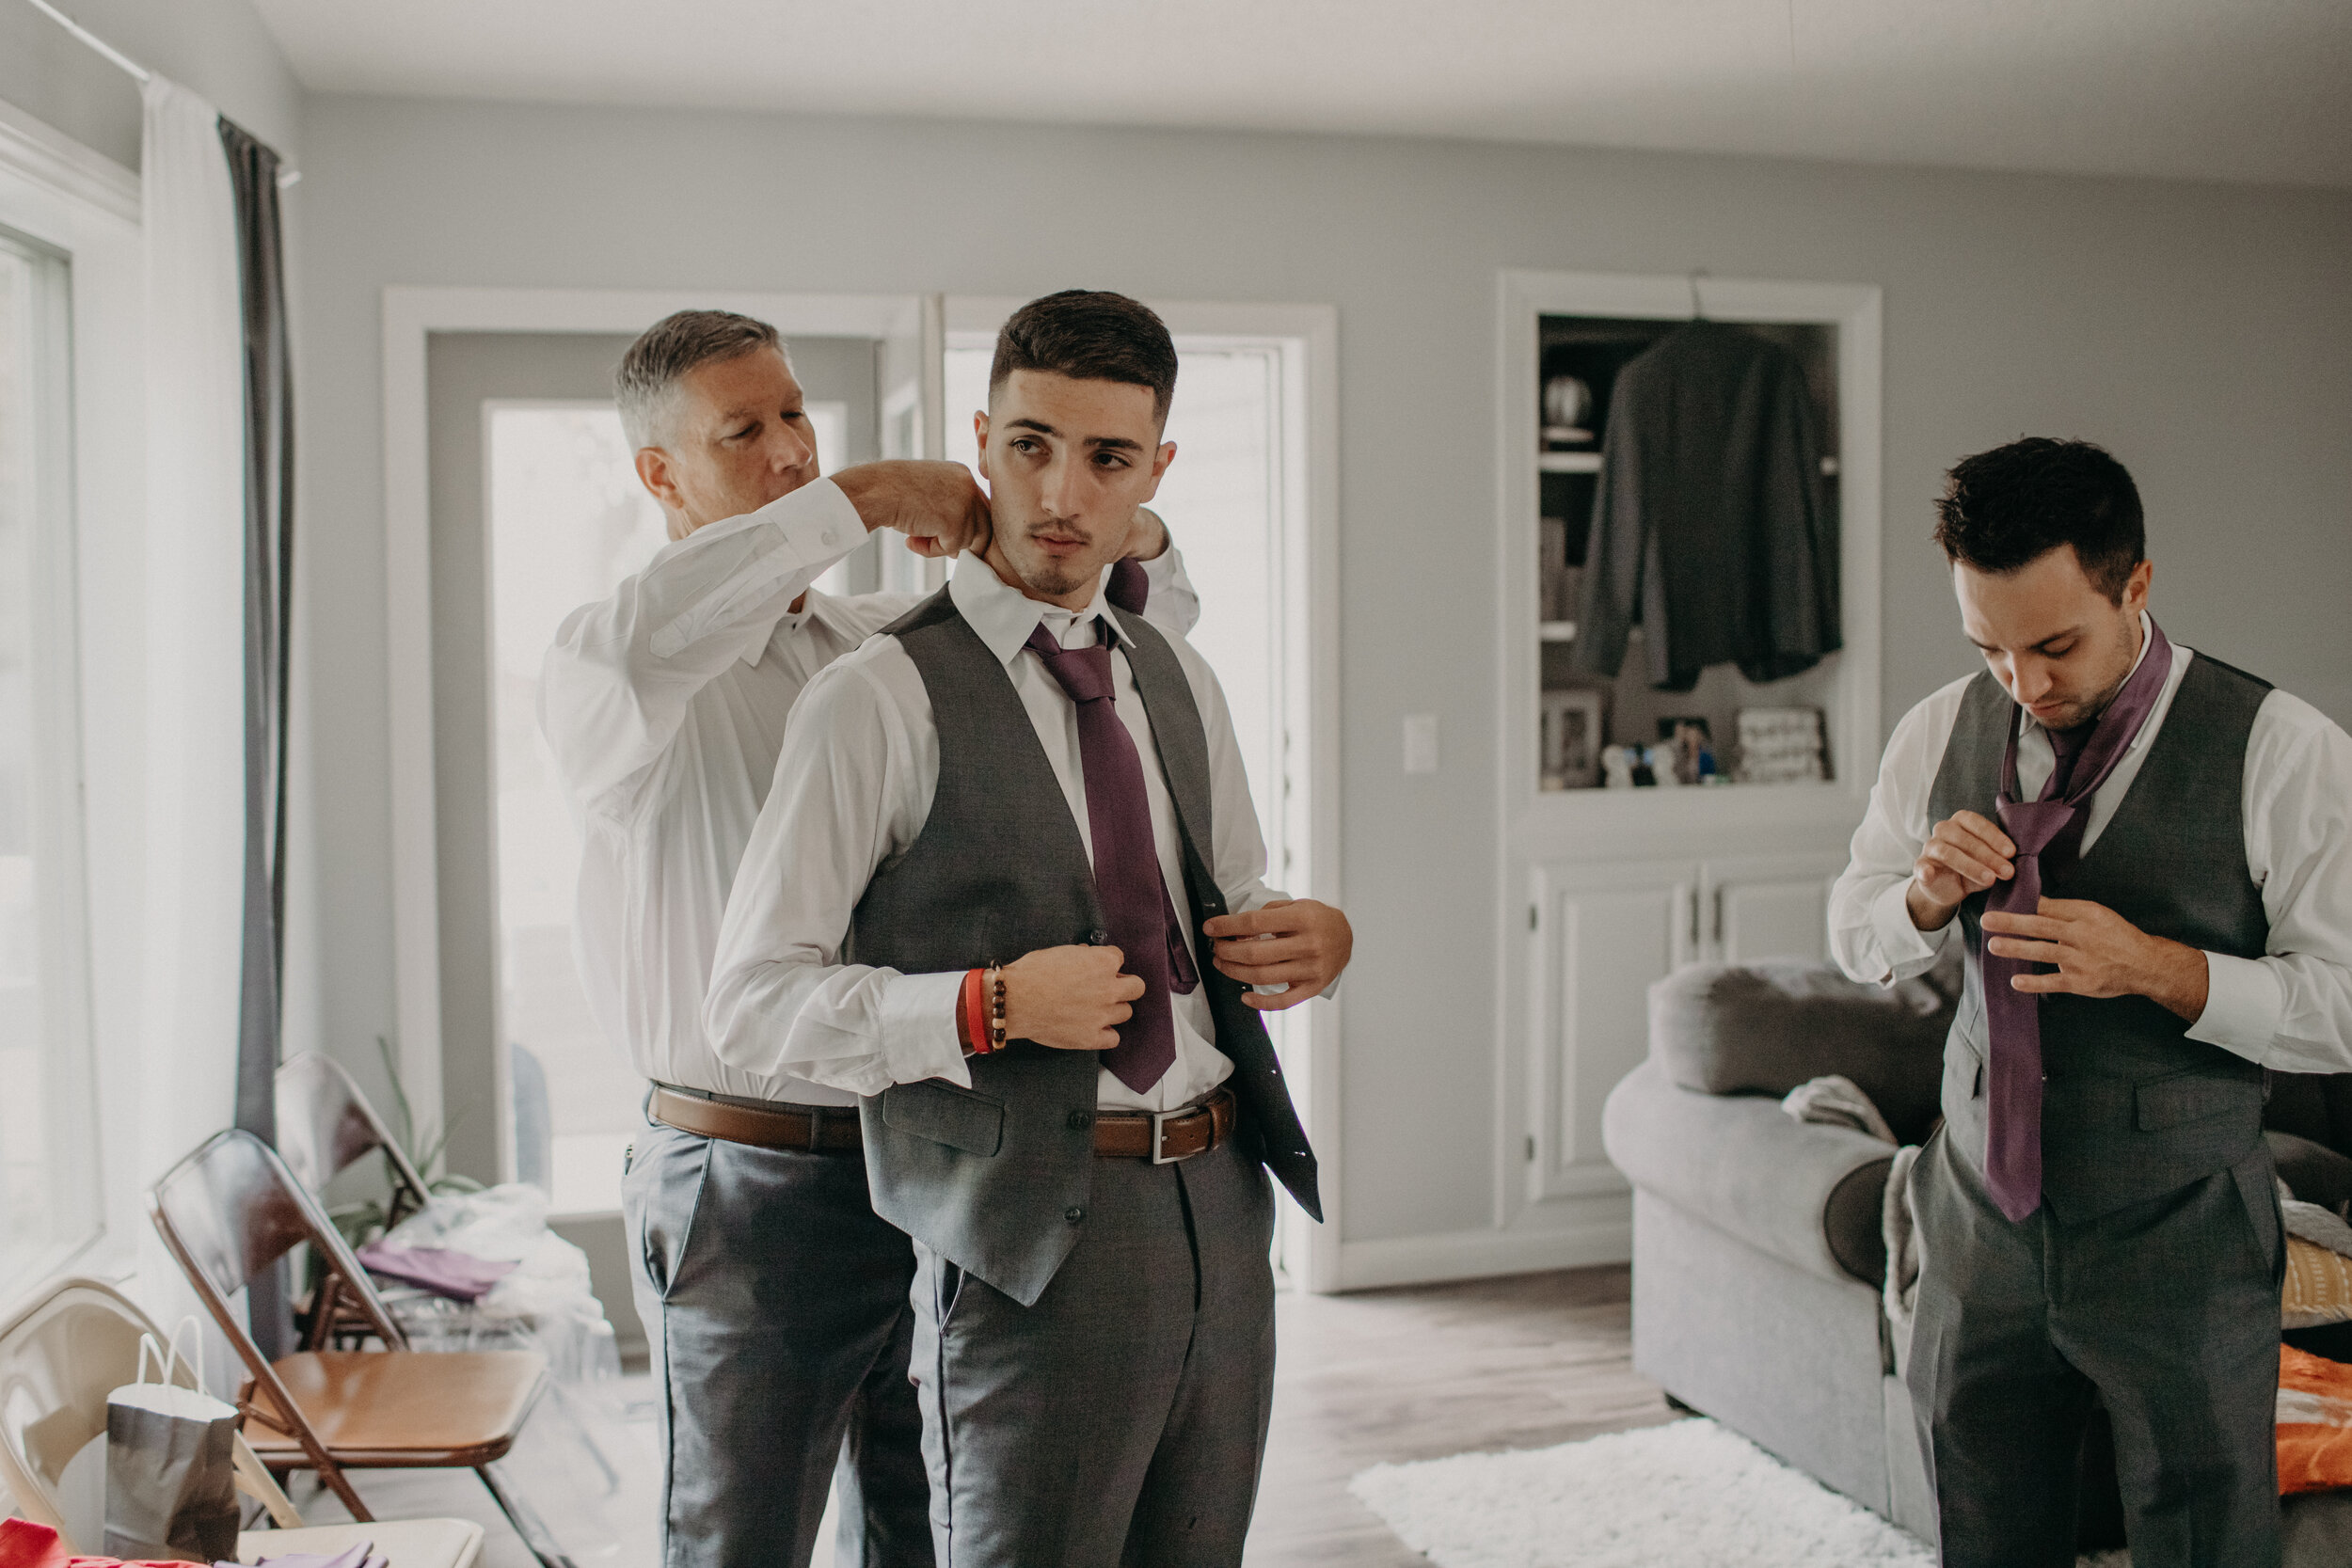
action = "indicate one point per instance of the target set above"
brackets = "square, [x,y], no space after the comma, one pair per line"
[1474,1254]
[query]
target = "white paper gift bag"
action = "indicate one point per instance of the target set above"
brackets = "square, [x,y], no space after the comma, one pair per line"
[170,1462]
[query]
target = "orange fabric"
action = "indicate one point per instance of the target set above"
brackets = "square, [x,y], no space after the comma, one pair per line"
[2314,1422]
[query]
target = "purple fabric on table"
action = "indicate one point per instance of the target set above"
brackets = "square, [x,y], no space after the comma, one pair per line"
[2051,829]
[1127,882]
[459,1275]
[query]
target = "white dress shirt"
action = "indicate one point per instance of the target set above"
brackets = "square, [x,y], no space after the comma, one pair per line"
[2290,1009]
[664,706]
[854,788]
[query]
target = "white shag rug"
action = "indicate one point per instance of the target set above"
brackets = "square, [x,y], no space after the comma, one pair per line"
[1688,1493]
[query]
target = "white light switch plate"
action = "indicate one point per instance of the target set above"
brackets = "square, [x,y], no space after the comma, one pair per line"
[1421,743]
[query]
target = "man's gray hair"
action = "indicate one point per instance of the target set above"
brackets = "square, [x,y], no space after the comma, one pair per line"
[650,371]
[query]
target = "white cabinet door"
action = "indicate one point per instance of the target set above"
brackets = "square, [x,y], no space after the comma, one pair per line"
[1603,933]
[1768,907]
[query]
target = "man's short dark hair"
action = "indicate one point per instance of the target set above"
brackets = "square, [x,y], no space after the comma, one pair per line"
[1089,336]
[671,346]
[2003,508]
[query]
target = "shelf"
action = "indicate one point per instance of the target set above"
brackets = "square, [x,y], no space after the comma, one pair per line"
[1556,631]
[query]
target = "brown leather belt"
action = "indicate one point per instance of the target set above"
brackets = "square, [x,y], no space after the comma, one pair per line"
[1162,1137]
[1165,1137]
[813,1129]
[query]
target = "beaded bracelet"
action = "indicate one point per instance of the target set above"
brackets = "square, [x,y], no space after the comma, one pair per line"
[996,1008]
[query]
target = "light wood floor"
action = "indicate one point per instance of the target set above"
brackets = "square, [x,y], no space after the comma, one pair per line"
[1383,1375]
[1396,1375]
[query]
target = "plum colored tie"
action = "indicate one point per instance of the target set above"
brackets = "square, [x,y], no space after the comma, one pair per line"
[2048,829]
[1128,588]
[1127,880]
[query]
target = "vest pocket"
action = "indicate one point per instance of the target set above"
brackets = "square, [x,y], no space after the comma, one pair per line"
[2184,1097]
[945,1115]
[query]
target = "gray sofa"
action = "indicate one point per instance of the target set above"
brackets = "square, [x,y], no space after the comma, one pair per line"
[1759,1263]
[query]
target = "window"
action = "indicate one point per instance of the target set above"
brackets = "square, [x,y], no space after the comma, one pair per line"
[568,520]
[49,1184]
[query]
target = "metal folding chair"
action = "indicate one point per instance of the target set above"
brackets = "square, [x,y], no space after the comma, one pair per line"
[231,1209]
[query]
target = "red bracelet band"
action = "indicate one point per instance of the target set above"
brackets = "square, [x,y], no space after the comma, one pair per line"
[971,1012]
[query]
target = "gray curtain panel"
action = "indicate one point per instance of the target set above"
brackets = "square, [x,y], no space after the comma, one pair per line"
[268,611]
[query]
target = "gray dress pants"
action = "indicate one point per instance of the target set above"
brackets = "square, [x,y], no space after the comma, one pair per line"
[776,1302]
[1120,1421]
[2169,1307]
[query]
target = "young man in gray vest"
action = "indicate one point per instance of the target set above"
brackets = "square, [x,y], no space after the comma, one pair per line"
[775,1298]
[2148,855]
[999,844]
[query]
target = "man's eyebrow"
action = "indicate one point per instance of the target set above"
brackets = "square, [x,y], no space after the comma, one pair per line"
[1111,443]
[2042,646]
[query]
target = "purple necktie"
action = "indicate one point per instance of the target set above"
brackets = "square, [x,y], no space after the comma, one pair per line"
[1128,588]
[1127,879]
[2052,828]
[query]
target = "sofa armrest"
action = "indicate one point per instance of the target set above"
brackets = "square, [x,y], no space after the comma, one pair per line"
[1807,1194]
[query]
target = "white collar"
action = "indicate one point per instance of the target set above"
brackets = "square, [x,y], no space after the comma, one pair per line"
[1004,616]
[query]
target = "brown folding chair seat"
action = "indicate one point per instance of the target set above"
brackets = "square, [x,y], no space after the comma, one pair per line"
[231,1209]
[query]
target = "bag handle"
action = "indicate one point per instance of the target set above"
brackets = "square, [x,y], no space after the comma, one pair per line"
[168,1362]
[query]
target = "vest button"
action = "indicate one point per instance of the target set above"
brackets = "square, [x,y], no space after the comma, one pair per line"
[1074,1213]
[1098,937]
[1080,1120]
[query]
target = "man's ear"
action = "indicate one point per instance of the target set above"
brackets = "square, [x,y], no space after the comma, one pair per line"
[2135,587]
[653,471]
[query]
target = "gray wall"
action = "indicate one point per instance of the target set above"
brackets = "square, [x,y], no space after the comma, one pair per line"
[219,48]
[2201,331]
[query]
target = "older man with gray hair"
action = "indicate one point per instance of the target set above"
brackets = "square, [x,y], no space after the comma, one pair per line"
[775,1299]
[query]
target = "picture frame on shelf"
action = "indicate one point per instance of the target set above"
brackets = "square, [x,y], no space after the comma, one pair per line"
[1573,728]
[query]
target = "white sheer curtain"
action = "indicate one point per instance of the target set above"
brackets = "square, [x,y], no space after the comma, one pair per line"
[195,652]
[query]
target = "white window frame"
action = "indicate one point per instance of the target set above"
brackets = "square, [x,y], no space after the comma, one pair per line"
[85,209]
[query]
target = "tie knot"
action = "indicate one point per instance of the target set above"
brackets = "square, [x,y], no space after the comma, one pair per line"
[1085,673]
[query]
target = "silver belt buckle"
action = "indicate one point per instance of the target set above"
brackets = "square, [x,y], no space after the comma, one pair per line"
[1159,1141]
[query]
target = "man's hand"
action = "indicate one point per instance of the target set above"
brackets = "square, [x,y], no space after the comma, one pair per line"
[938,506]
[1147,536]
[2099,953]
[1966,853]
[1293,942]
[1071,998]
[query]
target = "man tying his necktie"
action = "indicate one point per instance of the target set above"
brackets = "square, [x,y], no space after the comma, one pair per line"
[2147,856]
[982,893]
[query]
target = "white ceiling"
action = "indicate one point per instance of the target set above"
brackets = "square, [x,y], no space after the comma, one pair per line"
[2232,89]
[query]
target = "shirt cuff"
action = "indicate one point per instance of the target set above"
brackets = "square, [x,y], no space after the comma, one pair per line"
[817,526]
[2243,1003]
[919,1019]
[1906,948]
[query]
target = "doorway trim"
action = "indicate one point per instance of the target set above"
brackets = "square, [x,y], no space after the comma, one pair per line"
[411,316]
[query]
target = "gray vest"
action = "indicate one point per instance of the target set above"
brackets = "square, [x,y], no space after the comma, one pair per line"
[2132,1107]
[997,1177]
